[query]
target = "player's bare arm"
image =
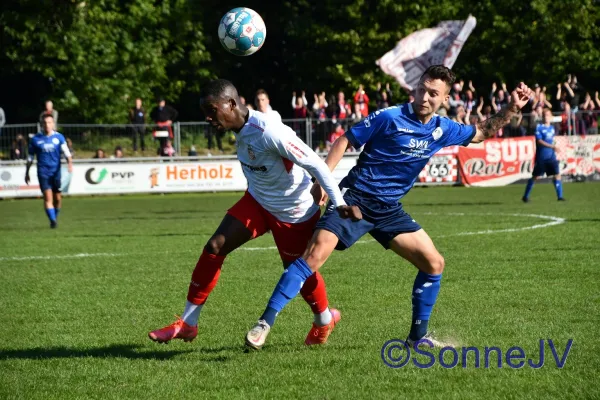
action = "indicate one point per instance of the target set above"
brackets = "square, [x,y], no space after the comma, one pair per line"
[336,153]
[542,143]
[488,128]
[27,179]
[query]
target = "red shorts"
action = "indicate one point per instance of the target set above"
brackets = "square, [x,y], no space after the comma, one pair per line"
[291,239]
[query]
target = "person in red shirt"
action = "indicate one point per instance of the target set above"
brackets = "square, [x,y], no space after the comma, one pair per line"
[361,102]
[342,110]
[300,112]
[339,131]
[299,105]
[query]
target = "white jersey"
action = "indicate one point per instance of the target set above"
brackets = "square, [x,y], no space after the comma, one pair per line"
[275,162]
[273,114]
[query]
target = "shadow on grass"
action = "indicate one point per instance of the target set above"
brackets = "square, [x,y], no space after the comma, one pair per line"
[128,351]
[135,352]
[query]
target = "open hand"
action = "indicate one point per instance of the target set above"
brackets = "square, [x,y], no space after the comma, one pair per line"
[352,212]
[519,97]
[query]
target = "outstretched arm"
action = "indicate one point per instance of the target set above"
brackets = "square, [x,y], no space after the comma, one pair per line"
[488,128]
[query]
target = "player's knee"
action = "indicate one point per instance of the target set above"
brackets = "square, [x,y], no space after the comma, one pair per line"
[214,245]
[436,264]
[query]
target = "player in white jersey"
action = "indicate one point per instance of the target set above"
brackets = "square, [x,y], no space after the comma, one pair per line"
[275,163]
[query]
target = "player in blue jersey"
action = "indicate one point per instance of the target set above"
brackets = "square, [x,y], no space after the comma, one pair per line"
[47,146]
[398,142]
[545,158]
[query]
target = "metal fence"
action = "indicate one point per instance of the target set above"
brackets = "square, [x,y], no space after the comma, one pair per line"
[200,138]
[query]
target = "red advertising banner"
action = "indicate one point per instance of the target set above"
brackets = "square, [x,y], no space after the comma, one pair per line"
[497,162]
[579,157]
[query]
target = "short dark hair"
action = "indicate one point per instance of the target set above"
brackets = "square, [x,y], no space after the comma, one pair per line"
[440,72]
[261,91]
[218,88]
[48,116]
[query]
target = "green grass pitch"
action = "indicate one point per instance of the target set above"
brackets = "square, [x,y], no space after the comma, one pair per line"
[77,302]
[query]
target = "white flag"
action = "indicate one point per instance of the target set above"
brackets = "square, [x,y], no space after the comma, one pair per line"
[421,49]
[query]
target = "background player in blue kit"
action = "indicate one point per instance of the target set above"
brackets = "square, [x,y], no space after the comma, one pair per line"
[545,157]
[398,142]
[47,147]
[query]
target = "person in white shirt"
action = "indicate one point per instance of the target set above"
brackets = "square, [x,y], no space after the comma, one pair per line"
[263,104]
[278,167]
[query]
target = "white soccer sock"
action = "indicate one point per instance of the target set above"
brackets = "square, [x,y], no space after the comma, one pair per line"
[323,318]
[191,313]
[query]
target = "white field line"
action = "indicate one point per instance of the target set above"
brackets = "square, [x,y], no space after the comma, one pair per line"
[80,255]
[551,221]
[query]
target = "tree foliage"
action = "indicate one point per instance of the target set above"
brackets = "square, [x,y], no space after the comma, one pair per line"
[94,57]
[100,55]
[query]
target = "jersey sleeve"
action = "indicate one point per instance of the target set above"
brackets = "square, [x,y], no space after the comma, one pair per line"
[285,142]
[457,133]
[368,128]
[63,146]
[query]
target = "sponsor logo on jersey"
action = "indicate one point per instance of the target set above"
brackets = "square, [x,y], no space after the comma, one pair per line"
[48,147]
[298,152]
[406,130]
[252,168]
[418,144]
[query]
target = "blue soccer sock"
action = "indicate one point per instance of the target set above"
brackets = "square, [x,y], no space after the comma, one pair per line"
[56,211]
[528,188]
[287,288]
[425,292]
[51,213]
[558,188]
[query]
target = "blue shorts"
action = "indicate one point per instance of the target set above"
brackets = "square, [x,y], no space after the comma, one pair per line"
[548,167]
[50,182]
[381,220]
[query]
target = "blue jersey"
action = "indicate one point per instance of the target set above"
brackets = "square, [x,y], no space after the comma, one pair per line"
[546,134]
[397,148]
[48,151]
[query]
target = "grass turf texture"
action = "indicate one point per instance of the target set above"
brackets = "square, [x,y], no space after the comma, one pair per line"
[75,327]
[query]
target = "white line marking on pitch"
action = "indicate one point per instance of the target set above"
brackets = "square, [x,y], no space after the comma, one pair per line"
[80,255]
[551,222]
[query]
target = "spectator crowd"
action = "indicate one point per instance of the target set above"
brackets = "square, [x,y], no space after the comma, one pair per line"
[576,111]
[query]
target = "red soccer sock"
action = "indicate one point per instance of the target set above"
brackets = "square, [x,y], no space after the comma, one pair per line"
[315,294]
[205,277]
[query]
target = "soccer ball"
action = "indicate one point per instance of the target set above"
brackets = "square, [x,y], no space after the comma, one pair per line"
[242,31]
